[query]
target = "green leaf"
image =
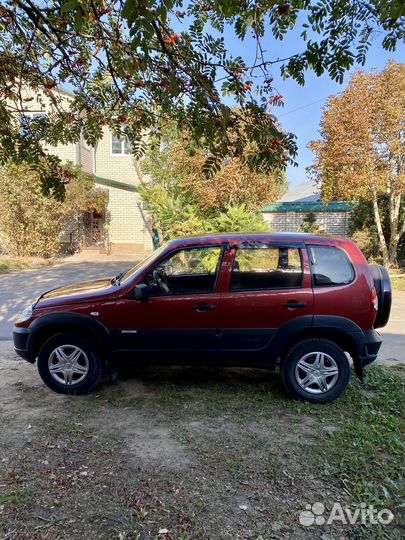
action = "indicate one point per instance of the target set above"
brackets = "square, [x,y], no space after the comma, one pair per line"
[128,8]
[78,20]
[70,5]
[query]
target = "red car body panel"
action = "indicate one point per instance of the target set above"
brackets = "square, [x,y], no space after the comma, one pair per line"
[168,312]
[88,291]
[118,311]
[352,301]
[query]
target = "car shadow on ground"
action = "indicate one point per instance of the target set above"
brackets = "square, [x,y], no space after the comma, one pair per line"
[199,378]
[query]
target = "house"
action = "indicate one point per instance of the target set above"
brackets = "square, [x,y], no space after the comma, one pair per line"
[115,170]
[288,213]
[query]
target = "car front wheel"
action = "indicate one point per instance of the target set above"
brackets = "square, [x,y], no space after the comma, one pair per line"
[316,370]
[69,364]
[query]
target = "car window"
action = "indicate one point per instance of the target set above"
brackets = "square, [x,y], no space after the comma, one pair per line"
[129,274]
[330,266]
[190,271]
[266,268]
[192,261]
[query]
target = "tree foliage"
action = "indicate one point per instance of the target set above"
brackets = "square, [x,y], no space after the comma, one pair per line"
[30,222]
[175,166]
[361,154]
[183,201]
[173,218]
[233,184]
[129,68]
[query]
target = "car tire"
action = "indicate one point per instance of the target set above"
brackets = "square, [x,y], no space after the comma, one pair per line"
[315,370]
[70,364]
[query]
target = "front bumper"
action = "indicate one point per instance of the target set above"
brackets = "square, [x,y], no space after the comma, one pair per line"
[20,338]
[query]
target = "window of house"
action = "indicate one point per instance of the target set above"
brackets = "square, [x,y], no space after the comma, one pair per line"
[330,266]
[120,146]
[192,271]
[266,268]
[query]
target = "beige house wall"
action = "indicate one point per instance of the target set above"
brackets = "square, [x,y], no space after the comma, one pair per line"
[127,223]
[65,153]
[126,220]
[115,167]
[39,102]
[85,156]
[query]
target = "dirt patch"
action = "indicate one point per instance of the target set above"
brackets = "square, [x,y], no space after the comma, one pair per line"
[148,445]
[25,402]
[202,454]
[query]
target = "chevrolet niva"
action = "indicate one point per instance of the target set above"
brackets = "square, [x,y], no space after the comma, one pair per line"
[296,302]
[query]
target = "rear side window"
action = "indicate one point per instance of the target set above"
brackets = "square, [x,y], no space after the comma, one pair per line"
[330,266]
[266,268]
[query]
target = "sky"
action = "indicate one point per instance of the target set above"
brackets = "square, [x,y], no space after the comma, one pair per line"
[302,109]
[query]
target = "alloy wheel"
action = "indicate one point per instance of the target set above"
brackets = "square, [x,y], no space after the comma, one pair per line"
[68,364]
[316,372]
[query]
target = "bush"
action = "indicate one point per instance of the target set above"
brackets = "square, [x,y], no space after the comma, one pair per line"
[30,222]
[309,224]
[367,241]
[175,215]
[237,219]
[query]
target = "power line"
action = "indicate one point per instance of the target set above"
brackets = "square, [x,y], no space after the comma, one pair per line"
[302,107]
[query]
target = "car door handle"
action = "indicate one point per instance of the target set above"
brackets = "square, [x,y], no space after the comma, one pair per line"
[295,305]
[204,307]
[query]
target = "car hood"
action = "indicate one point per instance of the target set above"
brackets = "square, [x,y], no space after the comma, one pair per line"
[87,291]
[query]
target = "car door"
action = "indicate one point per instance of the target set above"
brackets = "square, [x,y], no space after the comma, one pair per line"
[181,313]
[268,285]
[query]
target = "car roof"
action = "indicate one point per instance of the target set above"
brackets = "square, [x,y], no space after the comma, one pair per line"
[267,237]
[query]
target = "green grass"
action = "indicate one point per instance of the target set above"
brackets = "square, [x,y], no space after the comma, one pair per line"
[17,496]
[365,454]
[244,441]
[17,264]
[362,455]
[398,283]
[398,278]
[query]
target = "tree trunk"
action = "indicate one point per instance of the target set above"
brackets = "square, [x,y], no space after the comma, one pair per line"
[394,206]
[377,217]
[160,233]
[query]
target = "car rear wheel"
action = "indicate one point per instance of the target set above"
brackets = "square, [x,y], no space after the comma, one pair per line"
[69,364]
[316,370]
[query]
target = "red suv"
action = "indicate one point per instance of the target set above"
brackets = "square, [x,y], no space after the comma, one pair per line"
[294,301]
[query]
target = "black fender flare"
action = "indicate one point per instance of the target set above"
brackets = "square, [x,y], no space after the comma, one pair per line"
[287,332]
[351,332]
[328,326]
[62,321]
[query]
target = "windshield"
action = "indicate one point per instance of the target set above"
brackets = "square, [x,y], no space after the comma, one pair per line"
[130,273]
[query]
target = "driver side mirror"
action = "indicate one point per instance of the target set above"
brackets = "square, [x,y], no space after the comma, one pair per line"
[141,292]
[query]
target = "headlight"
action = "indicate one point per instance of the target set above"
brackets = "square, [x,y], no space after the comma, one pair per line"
[25,315]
